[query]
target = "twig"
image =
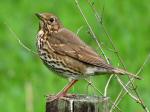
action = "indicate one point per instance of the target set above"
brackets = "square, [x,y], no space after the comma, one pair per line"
[91,31]
[146,60]
[90,83]
[100,92]
[115,102]
[19,41]
[119,97]
[106,87]
[99,19]
[124,87]
[95,38]
[79,29]
[93,35]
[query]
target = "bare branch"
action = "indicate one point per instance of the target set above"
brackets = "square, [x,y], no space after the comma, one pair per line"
[99,19]
[79,29]
[106,87]
[119,97]
[90,83]
[19,41]
[91,30]
[95,38]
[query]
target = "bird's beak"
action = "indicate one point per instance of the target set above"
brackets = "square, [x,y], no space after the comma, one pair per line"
[40,16]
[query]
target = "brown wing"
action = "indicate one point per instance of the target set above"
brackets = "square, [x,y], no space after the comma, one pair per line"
[67,43]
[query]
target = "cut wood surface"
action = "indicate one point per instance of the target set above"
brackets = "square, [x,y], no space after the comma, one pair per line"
[78,103]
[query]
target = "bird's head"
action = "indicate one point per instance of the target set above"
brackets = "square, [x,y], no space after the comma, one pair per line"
[49,22]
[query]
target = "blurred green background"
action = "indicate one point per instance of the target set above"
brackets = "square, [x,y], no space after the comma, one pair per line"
[24,80]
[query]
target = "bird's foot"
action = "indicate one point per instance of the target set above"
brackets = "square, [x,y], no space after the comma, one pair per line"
[63,92]
[61,95]
[70,95]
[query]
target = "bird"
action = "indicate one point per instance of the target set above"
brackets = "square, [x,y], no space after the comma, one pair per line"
[63,52]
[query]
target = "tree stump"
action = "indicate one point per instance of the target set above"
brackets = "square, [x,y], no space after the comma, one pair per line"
[78,103]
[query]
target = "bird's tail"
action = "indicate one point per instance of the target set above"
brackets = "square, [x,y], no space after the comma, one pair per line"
[123,72]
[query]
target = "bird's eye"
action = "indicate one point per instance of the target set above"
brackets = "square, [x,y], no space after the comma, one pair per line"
[52,20]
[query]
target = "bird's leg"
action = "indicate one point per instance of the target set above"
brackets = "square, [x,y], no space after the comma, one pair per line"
[64,91]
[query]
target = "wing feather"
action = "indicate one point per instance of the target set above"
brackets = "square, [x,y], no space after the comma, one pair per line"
[67,43]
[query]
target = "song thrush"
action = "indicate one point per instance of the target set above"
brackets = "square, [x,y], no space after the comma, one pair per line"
[63,52]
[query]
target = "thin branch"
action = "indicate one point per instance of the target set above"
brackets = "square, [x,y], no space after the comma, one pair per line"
[91,31]
[106,87]
[91,84]
[93,35]
[119,97]
[19,41]
[99,19]
[79,29]
[124,87]
[142,67]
